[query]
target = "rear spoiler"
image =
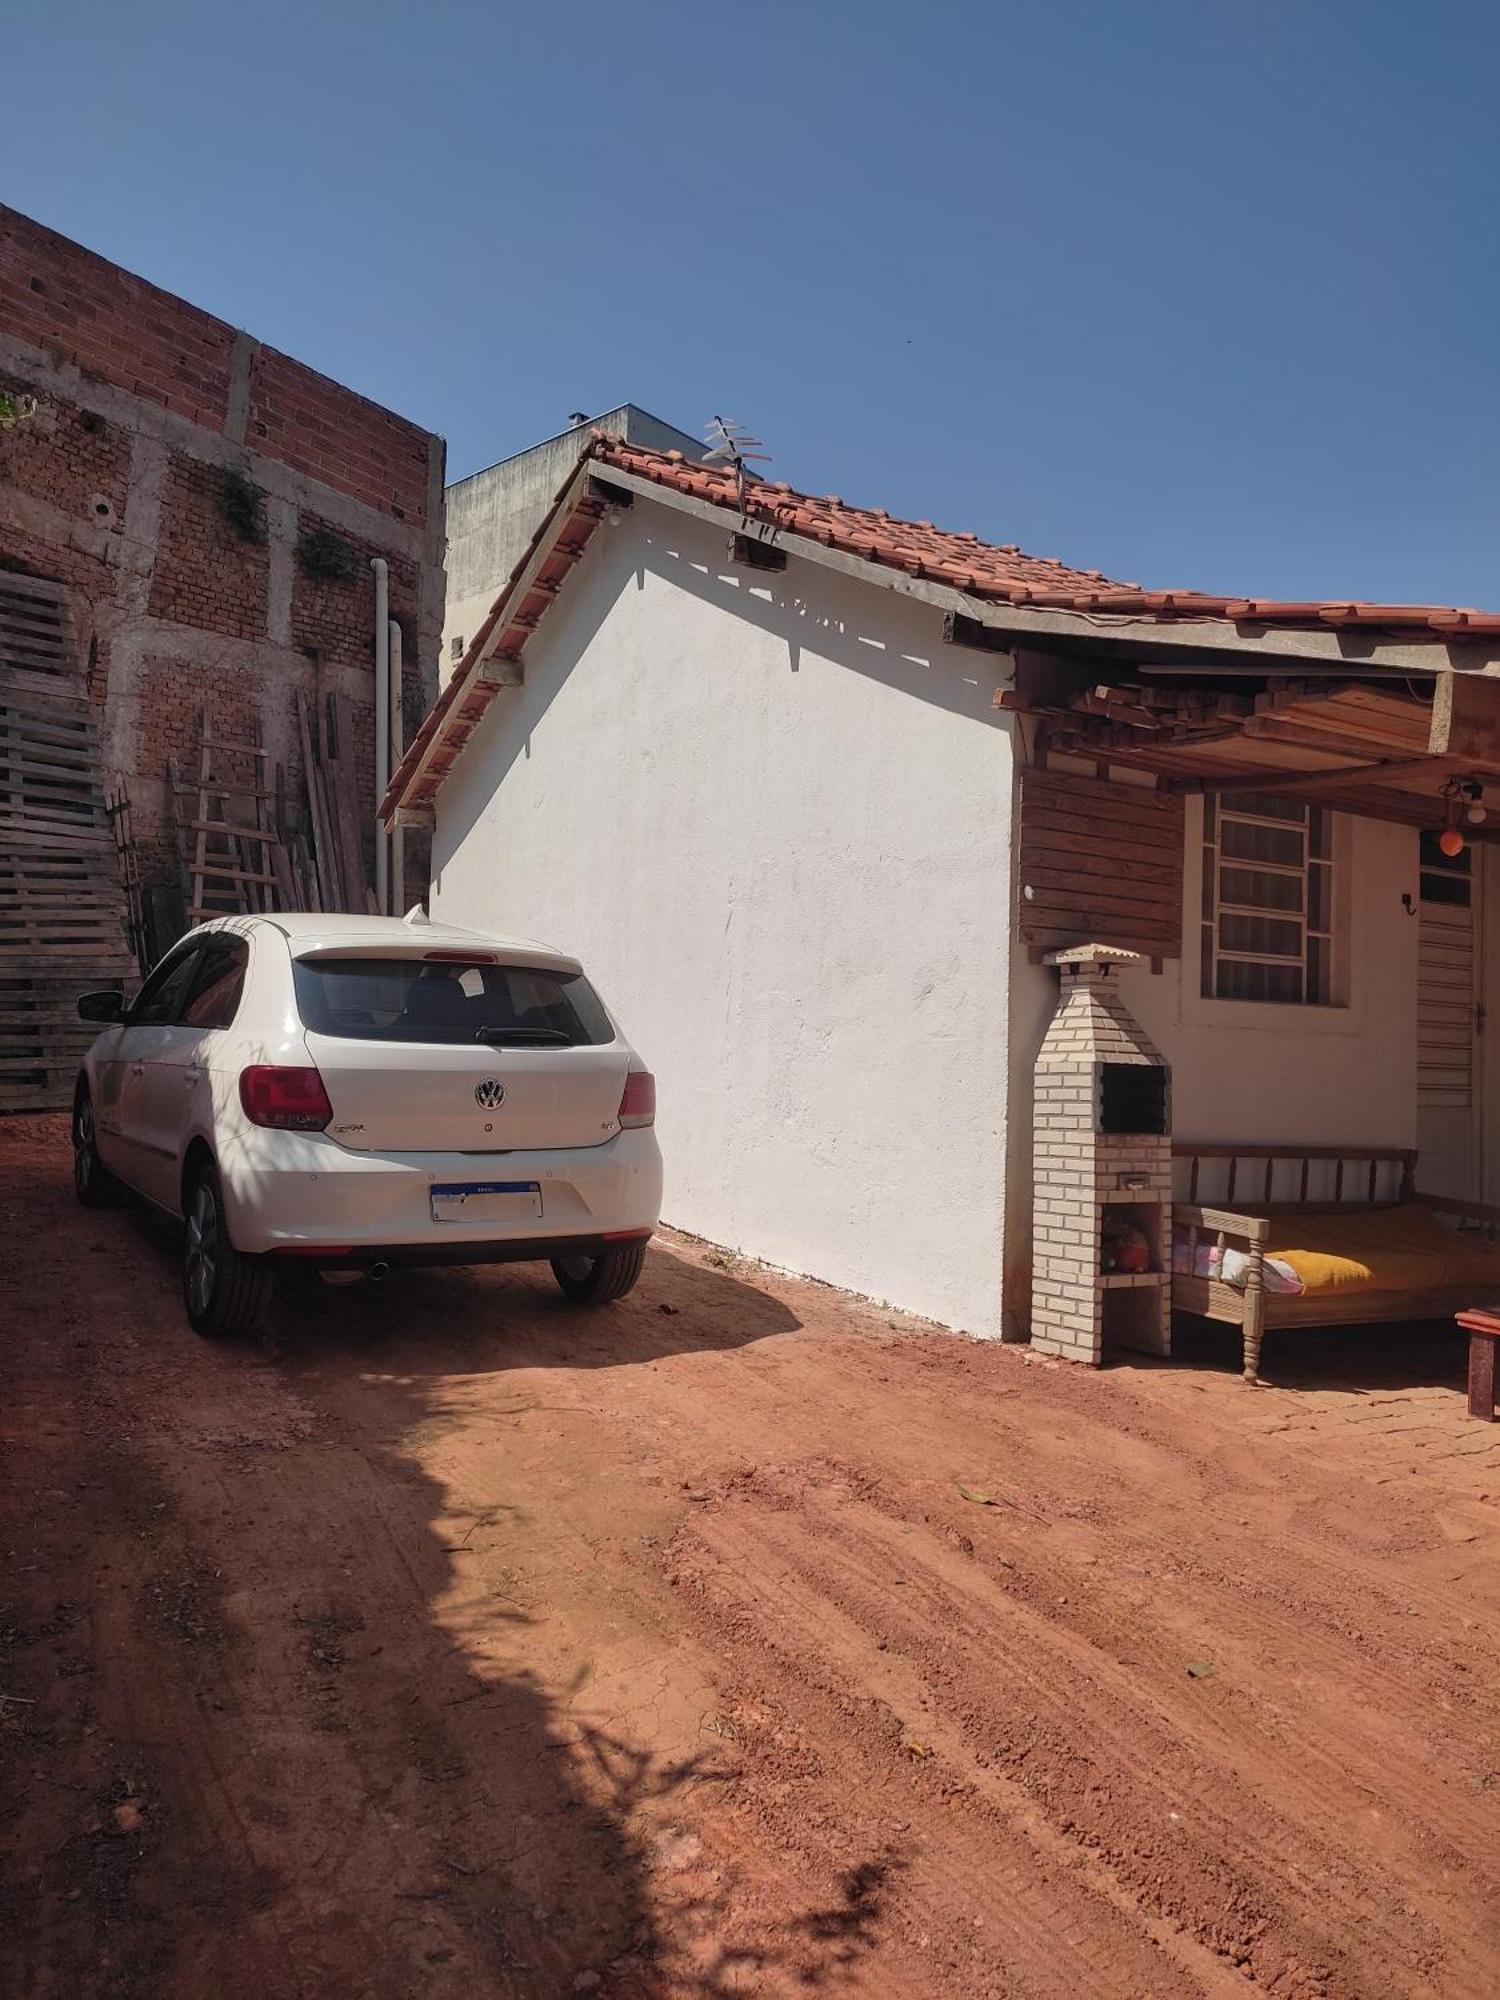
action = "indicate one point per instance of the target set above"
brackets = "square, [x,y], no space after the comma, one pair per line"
[421,951]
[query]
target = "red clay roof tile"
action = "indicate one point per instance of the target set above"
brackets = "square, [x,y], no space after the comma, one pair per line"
[1000,572]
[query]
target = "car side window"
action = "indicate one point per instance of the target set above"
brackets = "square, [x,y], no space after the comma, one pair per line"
[160,998]
[214,994]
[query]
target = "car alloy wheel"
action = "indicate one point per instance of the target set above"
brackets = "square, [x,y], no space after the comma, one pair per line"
[85,1161]
[202,1261]
[93,1183]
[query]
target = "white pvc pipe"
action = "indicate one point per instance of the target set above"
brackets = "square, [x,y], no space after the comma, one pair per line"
[382,728]
[398,747]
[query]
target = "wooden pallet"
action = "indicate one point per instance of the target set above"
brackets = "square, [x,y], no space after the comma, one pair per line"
[62,919]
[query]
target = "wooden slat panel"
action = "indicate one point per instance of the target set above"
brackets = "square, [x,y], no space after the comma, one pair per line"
[1445,1007]
[35,627]
[1102,864]
[61,906]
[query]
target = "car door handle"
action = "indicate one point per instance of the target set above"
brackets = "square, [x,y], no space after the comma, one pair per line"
[138,1069]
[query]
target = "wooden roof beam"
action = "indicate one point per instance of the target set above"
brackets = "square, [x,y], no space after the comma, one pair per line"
[1342,777]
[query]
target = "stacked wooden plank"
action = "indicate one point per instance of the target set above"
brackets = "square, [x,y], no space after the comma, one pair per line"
[335,853]
[62,930]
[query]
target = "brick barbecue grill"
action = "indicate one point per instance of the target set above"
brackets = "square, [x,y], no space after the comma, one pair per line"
[1102,1154]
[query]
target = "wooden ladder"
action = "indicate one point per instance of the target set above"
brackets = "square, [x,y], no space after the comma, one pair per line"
[233,861]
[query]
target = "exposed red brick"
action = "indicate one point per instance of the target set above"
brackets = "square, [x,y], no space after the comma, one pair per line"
[214,640]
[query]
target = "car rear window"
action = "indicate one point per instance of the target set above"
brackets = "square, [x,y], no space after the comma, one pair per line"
[413,1000]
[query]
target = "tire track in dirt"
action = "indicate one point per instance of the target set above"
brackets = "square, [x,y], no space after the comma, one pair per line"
[1173,1820]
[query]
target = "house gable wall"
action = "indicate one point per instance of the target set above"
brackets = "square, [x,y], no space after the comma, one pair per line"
[772,813]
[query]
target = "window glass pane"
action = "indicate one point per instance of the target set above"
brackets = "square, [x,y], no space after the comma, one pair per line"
[1208,885]
[1319,900]
[160,998]
[1320,833]
[1207,968]
[1240,840]
[215,991]
[1318,980]
[1450,889]
[1257,890]
[1241,980]
[1265,805]
[1265,937]
[413,1000]
[1208,816]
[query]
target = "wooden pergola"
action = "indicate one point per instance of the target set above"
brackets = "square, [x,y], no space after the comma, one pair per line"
[1415,746]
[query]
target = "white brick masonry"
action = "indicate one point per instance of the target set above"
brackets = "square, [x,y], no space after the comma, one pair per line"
[1079,1171]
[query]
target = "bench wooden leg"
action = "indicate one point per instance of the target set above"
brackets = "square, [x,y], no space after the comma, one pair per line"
[1482,1376]
[1255,1321]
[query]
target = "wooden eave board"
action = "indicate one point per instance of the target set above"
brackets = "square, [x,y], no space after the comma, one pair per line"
[514,618]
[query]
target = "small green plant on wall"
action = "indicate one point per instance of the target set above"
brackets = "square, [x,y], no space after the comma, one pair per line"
[244,506]
[15,408]
[327,557]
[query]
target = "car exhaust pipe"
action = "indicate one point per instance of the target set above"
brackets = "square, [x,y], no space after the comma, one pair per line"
[377,1271]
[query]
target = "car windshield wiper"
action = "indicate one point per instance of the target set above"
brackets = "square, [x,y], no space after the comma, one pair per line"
[542,1037]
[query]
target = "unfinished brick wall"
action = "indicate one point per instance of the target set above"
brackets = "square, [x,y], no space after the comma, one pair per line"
[156,424]
[207,573]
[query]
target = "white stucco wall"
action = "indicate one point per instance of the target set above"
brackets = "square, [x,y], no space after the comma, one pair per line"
[1262,1074]
[772,814]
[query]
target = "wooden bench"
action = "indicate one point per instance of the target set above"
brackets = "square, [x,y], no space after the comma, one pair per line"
[1259,1178]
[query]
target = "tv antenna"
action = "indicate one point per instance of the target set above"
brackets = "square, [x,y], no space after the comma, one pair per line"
[730,444]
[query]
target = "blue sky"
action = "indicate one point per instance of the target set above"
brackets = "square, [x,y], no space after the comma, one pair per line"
[1199,294]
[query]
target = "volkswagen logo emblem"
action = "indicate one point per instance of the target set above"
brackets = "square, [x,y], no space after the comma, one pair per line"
[489,1093]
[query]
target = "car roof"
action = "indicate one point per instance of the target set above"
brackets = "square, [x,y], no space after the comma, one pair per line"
[309,930]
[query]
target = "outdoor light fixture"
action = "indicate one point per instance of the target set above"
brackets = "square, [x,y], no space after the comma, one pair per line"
[1450,841]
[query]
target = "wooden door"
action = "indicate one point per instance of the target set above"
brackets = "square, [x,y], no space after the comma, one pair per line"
[1450,1024]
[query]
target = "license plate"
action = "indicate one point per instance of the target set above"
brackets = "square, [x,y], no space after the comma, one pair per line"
[486,1201]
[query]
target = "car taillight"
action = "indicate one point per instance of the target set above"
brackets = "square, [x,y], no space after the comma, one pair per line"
[638,1105]
[293,1100]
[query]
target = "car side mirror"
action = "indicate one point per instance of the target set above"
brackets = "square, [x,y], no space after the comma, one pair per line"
[100,1006]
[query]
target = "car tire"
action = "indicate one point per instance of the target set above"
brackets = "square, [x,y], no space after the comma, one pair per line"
[225,1293]
[93,1183]
[595,1281]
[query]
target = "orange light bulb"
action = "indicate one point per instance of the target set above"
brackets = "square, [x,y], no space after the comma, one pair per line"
[1451,841]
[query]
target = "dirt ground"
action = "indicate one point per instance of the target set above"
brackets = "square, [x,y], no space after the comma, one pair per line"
[740,1638]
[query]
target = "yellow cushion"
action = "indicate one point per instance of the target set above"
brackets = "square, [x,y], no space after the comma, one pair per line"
[1405,1248]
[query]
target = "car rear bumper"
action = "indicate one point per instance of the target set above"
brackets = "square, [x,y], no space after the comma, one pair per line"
[520,1250]
[300,1193]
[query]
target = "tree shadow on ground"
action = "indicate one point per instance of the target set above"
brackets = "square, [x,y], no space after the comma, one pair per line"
[275,1738]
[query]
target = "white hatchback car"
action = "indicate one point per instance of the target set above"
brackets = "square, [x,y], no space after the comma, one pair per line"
[357,1092]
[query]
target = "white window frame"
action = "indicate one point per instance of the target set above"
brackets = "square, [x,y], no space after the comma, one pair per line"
[1319,828]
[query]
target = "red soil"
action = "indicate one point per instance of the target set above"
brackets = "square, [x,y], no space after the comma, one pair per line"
[740,1638]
